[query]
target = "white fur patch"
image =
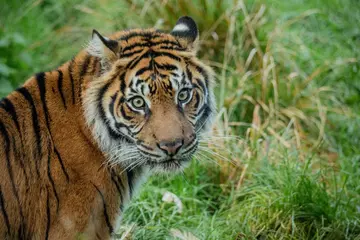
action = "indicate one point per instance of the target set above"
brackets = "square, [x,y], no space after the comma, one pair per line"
[181,28]
[93,116]
[96,47]
[67,223]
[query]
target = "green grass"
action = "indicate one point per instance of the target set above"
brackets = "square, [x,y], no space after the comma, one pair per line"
[288,88]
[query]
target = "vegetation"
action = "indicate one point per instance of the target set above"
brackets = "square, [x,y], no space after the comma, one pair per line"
[284,161]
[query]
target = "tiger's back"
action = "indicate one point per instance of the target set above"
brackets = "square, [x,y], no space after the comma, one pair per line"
[39,126]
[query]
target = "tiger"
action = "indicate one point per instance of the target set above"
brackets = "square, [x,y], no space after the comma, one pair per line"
[77,142]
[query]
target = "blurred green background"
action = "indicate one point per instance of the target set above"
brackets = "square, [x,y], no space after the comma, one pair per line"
[284,159]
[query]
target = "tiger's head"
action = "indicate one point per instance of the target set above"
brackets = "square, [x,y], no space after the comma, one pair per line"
[153,98]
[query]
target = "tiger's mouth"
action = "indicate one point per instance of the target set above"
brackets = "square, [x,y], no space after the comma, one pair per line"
[170,164]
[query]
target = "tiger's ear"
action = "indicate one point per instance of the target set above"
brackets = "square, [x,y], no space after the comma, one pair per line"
[103,47]
[187,33]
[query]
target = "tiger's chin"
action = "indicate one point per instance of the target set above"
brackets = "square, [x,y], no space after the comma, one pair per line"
[169,166]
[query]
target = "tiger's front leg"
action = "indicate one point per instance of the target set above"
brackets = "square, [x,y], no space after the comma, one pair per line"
[88,212]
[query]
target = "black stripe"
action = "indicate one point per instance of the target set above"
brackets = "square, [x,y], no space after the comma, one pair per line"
[4,133]
[7,105]
[83,72]
[35,123]
[206,113]
[61,163]
[85,65]
[72,80]
[99,100]
[167,67]
[98,236]
[197,99]
[94,63]
[22,231]
[143,90]
[152,63]
[126,55]
[192,116]
[153,88]
[118,135]
[151,35]
[137,132]
[203,73]
[139,81]
[3,210]
[120,181]
[117,183]
[183,79]
[202,109]
[202,86]
[122,83]
[137,125]
[167,54]
[123,113]
[146,147]
[130,47]
[135,61]
[60,87]
[174,74]
[168,87]
[180,49]
[190,149]
[142,70]
[40,78]
[48,215]
[189,73]
[151,154]
[169,42]
[194,139]
[107,220]
[130,178]
[162,75]
[51,179]
[112,104]
[114,134]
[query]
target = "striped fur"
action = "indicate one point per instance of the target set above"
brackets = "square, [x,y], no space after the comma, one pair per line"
[74,147]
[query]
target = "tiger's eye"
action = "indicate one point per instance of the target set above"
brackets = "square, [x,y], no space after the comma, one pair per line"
[138,102]
[184,95]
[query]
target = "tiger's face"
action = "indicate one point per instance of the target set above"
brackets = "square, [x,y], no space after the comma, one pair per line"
[153,99]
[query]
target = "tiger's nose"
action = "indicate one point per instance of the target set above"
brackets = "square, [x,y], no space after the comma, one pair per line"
[171,147]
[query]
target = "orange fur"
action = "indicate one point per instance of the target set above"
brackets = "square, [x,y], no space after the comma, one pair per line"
[83,164]
[54,178]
